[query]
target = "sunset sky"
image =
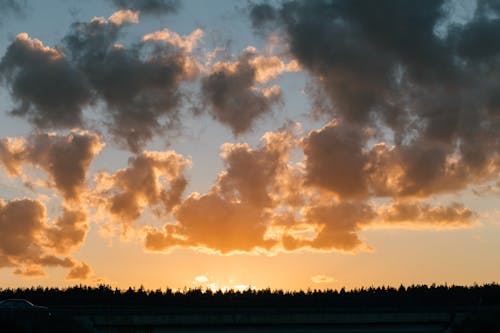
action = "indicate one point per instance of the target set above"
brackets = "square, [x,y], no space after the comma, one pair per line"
[227,144]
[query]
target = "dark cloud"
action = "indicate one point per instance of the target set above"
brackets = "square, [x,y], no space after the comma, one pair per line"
[386,71]
[139,84]
[357,50]
[335,160]
[153,7]
[44,85]
[231,91]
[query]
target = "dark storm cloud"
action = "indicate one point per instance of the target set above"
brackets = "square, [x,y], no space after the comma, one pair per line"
[230,90]
[153,7]
[385,69]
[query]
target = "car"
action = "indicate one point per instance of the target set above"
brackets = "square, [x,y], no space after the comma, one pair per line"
[18,305]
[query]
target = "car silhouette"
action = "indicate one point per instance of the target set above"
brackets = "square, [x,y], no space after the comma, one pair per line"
[22,305]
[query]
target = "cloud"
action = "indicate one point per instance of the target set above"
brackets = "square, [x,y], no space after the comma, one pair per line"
[124,16]
[65,158]
[338,225]
[139,84]
[414,214]
[47,89]
[209,221]
[31,241]
[231,91]
[335,160]
[322,278]
[201,279]
[21,222]
[79,272]
[340,159]
[24,232]
[152,179]
[152,7]
[486,190]
[430,97]
[264,202]
[233,215]
[270,67]
[68,231]
[187,43]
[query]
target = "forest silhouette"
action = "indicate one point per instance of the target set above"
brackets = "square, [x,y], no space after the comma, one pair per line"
[362,298]
[480,303]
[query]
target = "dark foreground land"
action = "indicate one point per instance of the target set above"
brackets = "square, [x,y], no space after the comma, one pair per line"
[103,309]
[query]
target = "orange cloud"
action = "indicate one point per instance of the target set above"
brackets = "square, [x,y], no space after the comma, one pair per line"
[79,272]
[187,43]
[66,159]
[27,241]
[124,16]
[68,232]
[414,214]
[233,215]
[152,179]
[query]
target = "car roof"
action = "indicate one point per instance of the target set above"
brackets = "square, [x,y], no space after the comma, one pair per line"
[16,300]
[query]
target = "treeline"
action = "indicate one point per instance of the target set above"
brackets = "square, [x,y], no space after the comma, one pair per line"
[379,297]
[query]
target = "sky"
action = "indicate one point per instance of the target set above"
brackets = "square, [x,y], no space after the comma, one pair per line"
[249,144]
